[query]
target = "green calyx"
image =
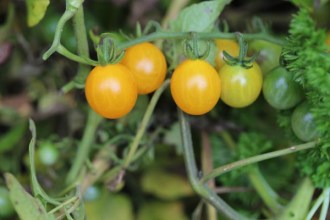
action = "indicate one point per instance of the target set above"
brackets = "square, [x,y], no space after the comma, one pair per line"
[242,60]
[106,49]
[195,48]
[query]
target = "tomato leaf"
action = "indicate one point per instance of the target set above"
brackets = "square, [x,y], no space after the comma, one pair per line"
[199,17]
[25,205]
[36,10]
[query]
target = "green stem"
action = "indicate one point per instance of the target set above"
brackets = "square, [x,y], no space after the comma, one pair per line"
[93,121]
[317,204]
[190,163]
[205,36]
[144,123]
[325,206]
[60,25]
[79,59]
[298,207]
[62,205]
[267,194]
[231,166]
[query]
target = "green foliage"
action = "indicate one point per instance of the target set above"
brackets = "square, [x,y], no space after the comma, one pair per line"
[305,57]
[199,17]
[25,205]
[36,10]
[251,144]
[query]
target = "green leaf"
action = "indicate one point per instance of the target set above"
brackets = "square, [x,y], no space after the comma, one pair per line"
[199,17]
[308,4]
[25,205]
[36,10]
[12,137]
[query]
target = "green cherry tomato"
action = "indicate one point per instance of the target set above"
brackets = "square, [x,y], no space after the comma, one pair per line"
[6,207]
[303,124]
[48,153]
[195,87]
[280,90]
[269,54]
[240,86]
[92,193]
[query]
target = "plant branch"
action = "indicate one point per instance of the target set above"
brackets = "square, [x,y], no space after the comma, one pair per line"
[231,166]
[144,124]
[93,121]
[204,191]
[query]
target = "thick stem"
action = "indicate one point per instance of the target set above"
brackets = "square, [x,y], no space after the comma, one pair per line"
[204,36]
[267,194]
[231,166]
[201,189]
[298,207]
[144,124]
[93,121]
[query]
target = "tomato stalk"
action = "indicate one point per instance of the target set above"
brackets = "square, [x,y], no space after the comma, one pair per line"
[267,194]
[323,198]
[231,166]
[145,121]
[200,188]
[93,119]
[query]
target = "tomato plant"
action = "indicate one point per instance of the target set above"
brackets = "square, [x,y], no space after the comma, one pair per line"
[195,87]
[303,123]
[268,54]
[156,153]
[240,86]
[148,64]
[280,90]
[6,207]
[229,46]
[111,90]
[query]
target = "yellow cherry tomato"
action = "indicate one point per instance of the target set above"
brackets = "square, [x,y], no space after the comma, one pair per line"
[195,87]
[111,90]
[229,46]
[148,64]
[240,86]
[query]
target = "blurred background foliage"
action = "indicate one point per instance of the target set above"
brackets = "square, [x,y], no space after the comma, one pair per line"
[158,187]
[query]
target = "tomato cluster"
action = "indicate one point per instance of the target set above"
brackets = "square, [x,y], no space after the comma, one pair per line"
[196,85]
[112,90]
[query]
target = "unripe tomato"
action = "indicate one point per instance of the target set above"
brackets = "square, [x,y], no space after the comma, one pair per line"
[92,193]
[148,64]
[195,87]
[269,54]
[6,206]
[48,153]
[111,90]
[240,86]
[280,90]
[229,46]
[303,124]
